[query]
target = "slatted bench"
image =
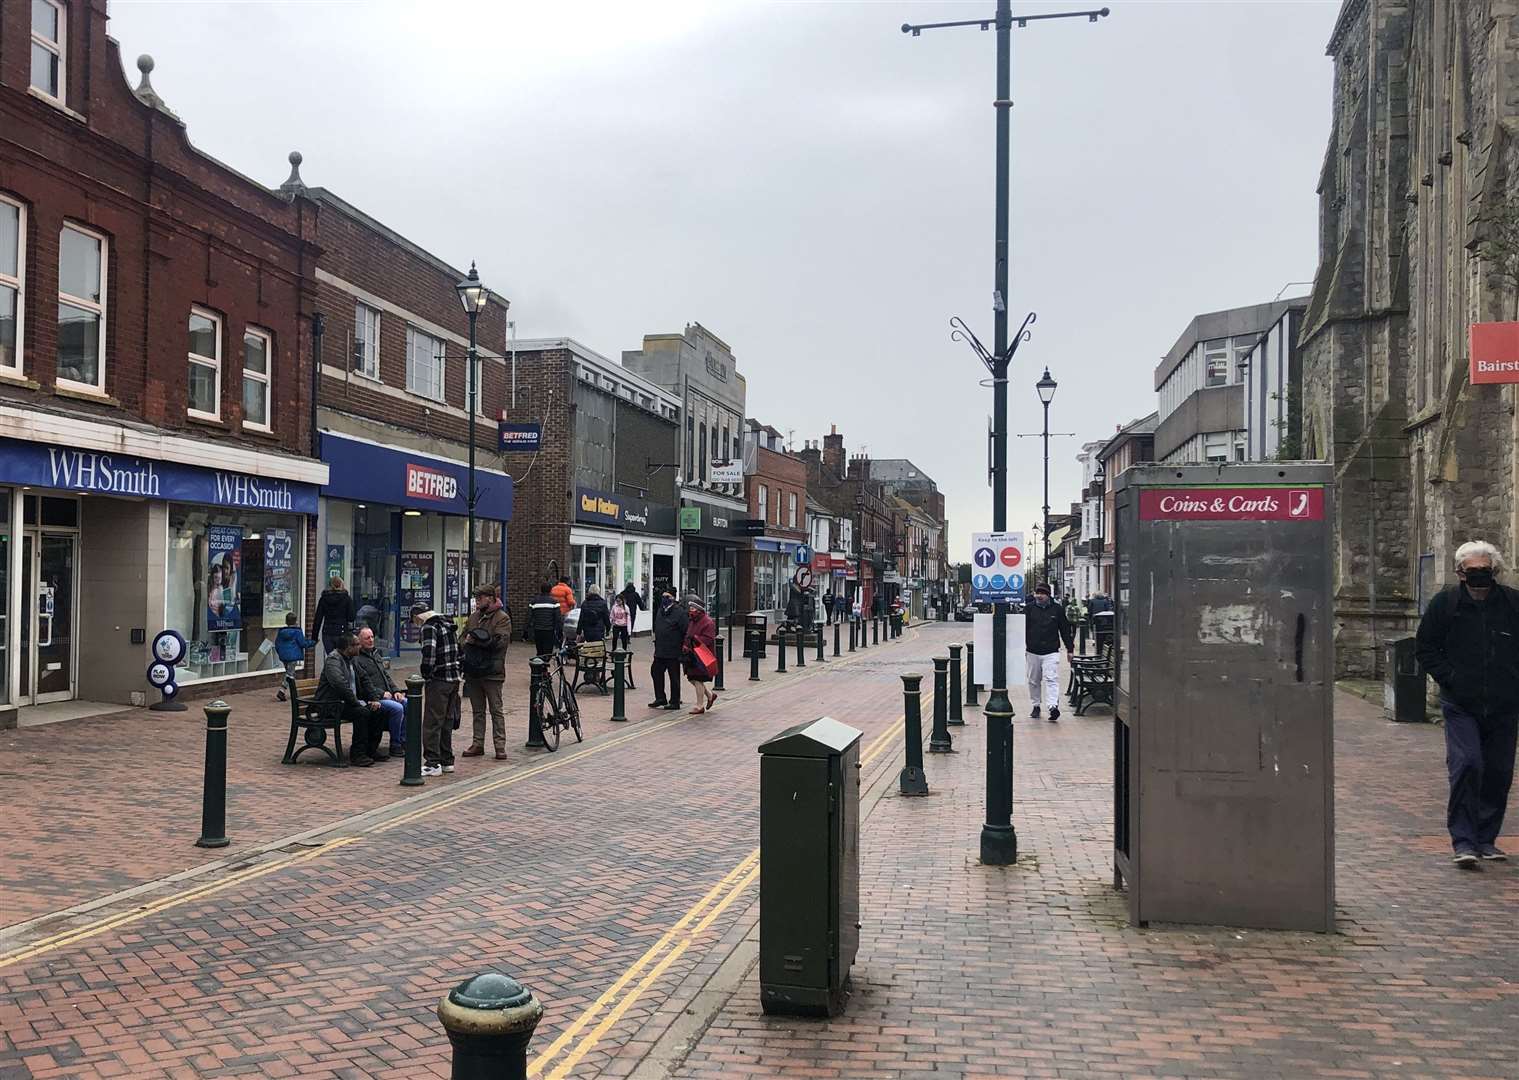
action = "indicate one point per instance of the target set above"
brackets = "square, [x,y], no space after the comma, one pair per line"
[313,719]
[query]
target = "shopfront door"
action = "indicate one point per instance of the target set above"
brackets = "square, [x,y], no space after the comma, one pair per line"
[49,575]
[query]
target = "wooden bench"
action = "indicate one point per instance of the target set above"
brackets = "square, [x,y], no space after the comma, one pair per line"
[1091,682]
[590,665]
[315,719]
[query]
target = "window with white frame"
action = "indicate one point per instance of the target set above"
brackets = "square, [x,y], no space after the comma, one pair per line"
[49,32]
[1216,362]
[764,503]
[480,387]
[424,364]
[205,364]
[366,340]
[82,261]
[258,368]
[791,509]
[12,283]
[1216,446]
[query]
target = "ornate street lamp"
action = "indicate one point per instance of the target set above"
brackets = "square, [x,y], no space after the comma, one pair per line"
[473,295]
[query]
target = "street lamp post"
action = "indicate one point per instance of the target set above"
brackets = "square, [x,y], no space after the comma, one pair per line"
[1046,388]
[1101,477]
[999,842]
[473,295]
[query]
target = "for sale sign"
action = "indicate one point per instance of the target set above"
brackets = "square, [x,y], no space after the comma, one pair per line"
[1495,352]
[1232,504]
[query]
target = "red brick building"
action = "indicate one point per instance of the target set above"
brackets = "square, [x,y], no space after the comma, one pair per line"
[775,484]
[154,410]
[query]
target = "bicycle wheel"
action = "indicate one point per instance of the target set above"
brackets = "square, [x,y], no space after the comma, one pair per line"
[548,719]
[570,705]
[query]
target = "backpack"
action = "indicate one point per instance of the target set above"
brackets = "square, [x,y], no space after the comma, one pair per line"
[476,655]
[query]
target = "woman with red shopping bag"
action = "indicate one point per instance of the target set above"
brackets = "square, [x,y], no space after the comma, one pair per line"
[701,659]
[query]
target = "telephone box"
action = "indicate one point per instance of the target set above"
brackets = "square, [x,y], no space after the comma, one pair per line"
[1223,665]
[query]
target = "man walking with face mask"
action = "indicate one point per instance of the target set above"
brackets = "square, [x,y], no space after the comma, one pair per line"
[1469,644]
[1045,629]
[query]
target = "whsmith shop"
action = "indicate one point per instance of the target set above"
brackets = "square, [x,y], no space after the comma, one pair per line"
[109,534]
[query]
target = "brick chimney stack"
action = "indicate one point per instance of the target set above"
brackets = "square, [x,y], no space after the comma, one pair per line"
[859,468]
[810,454]
[833,451]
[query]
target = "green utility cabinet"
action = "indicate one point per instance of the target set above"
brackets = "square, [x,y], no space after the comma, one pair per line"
[809,867]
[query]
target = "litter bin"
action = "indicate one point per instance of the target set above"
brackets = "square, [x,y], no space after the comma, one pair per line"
[1403,682]
[756,629]
[809,867]
[1102,629]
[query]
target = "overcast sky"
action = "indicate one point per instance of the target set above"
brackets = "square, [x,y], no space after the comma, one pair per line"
[806,181]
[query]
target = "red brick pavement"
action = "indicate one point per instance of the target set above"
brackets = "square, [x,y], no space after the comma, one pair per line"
[330,964]
[967,971]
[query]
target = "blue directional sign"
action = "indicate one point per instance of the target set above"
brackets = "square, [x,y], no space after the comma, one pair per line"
[803,556]
[1004,552]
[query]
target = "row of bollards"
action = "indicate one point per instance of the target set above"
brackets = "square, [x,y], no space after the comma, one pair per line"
[948,710]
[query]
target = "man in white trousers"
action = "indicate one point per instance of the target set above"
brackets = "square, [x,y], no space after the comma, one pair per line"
[1045,629]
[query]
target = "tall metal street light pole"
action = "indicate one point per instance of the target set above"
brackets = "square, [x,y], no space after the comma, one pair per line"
[473,295]
[999,842]
[1046,388]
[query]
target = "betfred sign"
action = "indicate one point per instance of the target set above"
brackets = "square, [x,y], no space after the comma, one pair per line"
[1495,352]
[425,483]
[1232,504]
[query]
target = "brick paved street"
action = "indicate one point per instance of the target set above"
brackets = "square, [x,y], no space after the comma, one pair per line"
[617,878]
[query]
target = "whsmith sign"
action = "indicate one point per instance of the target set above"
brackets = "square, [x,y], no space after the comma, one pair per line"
[127,476]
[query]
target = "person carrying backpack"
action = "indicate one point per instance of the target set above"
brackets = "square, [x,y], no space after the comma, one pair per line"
[482,660]
[290,645]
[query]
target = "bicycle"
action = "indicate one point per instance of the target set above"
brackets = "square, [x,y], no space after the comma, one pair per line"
[554,702]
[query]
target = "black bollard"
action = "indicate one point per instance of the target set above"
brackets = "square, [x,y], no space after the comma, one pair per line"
[411,769]
[939,742]
[780,650]
[213,797]
[754,675]
[835,638]
[801,645]
[852,625]
[717,679]
[490,1021]
[820,657]
[730,635]
[954,686]
[537,671]
[875,630]
[970,674]
[912,781]
[619,686]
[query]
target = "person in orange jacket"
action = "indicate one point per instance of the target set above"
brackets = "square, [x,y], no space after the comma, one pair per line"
[565,595]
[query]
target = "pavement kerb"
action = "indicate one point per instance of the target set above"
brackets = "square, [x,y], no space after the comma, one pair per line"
[710,995]
[21,939]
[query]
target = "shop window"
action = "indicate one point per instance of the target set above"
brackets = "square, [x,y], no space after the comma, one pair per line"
[12,274]
[81,308]
[49,34]
[366,340]
[258,352]
[701,441]
[205,364]
[424,364]
[232,577]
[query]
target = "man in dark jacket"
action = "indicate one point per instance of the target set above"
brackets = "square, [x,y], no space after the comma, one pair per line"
[828,608]
[375,684]
[334,614]
[1045,629]
[487,632]
[440,702]
[338,691]
[670,623]
[1469,644]
[634,603]
[545,621]
[595,616]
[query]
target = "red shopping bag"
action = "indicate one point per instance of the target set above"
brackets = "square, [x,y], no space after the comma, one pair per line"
[708,661]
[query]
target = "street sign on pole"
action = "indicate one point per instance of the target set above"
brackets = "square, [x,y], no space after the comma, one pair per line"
[802,579]
[997,573]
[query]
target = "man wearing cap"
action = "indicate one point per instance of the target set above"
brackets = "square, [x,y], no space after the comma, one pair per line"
[440,703]
[487,632]
[1045,629]
[670,623]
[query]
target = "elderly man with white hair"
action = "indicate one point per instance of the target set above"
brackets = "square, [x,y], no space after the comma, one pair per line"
[1469,644]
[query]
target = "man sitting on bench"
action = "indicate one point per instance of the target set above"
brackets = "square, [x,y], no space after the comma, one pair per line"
[338,691]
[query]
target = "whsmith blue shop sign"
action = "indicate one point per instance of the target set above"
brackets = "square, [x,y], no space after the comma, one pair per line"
[129,476]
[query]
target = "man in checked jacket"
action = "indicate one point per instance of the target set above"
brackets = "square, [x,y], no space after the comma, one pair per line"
[440,702]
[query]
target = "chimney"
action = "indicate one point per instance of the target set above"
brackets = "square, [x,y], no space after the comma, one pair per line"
[833,451]
[810,454]
[859,467]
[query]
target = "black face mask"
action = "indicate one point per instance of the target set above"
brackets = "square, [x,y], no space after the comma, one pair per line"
[1479,577]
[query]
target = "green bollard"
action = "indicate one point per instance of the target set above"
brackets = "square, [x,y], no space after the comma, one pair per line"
[411,770]
[912,781]
[213,796]
[875,630]
[836,638]
[939,742]
[537,672]
[754,675]
[490,1021]
[717,679]
[955,716]
[970,674]
[852,624]
[619,684]
[820,657]
[780,650]
[801,644]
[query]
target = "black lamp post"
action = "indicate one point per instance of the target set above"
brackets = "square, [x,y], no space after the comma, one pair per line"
[1101,477]
[1046,388]
[473,295]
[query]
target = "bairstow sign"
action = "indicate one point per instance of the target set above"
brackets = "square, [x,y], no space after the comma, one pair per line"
[1495,352]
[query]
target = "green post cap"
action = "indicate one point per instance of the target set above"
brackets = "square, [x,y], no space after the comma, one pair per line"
[414,682]
[490,1004]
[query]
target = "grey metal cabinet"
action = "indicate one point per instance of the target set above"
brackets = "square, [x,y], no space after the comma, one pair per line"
[809,866]
[1223,738]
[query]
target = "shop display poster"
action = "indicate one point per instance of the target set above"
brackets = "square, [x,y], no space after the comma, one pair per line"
[453,601]
[337,555]
[416,587]
[224,555]
[279,575]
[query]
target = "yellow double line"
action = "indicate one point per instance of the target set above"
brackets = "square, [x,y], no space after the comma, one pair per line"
[648,968]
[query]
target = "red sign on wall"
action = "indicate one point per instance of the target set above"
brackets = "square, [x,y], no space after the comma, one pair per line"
[1232,504]
[1495,352]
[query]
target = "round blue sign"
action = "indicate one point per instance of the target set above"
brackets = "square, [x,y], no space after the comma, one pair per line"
[1015,582]
[998,581]
[980,581]
[985,556]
